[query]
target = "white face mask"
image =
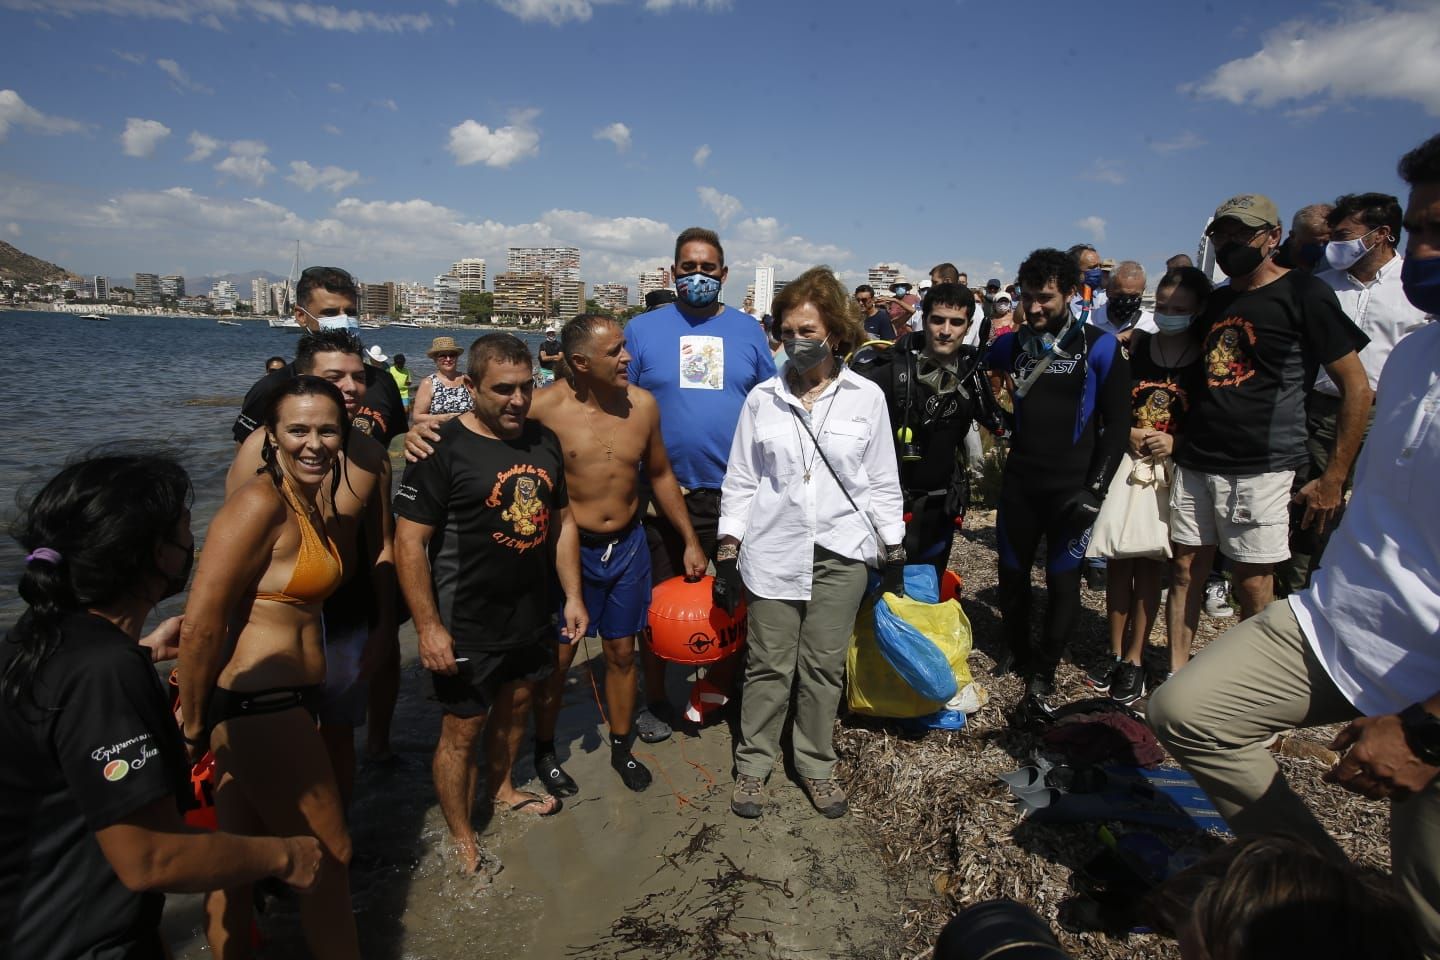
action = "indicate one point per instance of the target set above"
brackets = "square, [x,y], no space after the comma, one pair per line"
[1173,322]
[1344,254]
[342,322]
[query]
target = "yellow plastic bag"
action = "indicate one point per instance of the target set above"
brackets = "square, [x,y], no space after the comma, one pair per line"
[875,689]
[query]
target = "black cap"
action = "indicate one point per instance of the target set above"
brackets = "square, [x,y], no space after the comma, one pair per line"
[658,298]
[992,282]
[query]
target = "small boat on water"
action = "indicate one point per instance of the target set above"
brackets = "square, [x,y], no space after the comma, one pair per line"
[228,323]
[403,323]
[95,316]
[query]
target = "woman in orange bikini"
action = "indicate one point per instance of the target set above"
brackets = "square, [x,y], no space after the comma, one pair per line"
[252,659]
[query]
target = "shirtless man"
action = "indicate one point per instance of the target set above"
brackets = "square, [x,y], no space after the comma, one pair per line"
[360,627]
[607,429]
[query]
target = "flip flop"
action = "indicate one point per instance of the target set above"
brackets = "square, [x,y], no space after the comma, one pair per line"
[531,800]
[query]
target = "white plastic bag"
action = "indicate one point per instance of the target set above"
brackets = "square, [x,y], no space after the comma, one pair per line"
[1134,520]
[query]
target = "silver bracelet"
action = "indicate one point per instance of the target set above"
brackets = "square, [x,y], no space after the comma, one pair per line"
[727,551]
[895,554]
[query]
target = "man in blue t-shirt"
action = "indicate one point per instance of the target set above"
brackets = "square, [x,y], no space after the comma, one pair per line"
[699,358]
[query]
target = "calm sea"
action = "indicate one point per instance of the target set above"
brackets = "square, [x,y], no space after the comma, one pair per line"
[74,384]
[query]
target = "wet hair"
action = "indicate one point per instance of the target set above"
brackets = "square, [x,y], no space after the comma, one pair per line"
[1421,165]
[1048,264]
[864,288]
[273,361]
[578,333]
[692,234]
[841,314]
[1188,278]
[104,515]
[398,360]
[332,279]
[325,341]
[947,273]
[1372,209]
[301,386]
[505,347]
[949,295]
[1278,896]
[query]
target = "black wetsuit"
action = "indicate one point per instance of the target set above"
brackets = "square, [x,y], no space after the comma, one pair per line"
[933,472]
[1070,431]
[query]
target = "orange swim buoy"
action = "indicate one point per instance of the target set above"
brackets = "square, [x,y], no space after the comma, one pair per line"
[950,585]
[686,627]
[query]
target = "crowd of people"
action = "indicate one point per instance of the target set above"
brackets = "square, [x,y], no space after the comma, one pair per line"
[1286,414]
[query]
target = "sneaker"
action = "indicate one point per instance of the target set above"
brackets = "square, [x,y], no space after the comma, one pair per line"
[1217,600]
[1129,683]
[748,798]
[1101,674]
[828,796]
[652,723]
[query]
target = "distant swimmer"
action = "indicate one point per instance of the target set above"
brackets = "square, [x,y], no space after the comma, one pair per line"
[252,662]
[361,637]
[484,530]
[609,430]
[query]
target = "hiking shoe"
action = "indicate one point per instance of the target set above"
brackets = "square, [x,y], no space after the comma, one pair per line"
[827,795]
[1101,675]
[748,798]
[652,723]
[1217,600]
[1129,683]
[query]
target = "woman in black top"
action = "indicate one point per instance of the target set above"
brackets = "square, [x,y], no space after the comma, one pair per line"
[1166,372]
[92,770]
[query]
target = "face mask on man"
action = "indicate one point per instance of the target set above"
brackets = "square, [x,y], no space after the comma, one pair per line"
[1237,259]
[697,289]
[1124,308]
[805,354]
[1344,254]
[341,321]
[1095,278]
[1173,322]
[1420,280]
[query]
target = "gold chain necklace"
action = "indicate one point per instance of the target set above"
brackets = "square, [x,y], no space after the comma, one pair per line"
[609,445]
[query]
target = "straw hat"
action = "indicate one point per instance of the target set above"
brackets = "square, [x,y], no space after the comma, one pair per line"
[443,345]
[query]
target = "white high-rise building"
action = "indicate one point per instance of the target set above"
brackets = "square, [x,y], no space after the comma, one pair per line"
[882,275]
[447,298]
[614,297]
[561,265]
[657,279]
[764,290]
[471,274]
[102,288]
[260,295]
[223,295]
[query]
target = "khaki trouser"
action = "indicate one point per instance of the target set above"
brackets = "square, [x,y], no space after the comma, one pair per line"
[805,637]
[1258,679]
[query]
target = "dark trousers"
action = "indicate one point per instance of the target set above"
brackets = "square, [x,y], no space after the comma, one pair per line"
[667,548]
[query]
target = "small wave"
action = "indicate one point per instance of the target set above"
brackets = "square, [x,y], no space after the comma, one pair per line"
[214,401]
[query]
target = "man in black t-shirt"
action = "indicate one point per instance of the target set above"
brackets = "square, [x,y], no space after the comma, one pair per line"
[484,528]
[550,349]
[326,298]
[1264,337]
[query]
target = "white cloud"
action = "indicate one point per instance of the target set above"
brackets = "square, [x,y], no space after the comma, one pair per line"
[386,104]
[709,6]
[201,146]
[213,13]
[1093,225]
[334,179]
[136,58]
[247,162]
[554,12]
[141,137]
[334,87]
[1103,171]
[702,153]
[331,129]
[12,229]
[181,79]
[15,112]
[472,142]
[616,133]
[724,206]
[1303,59]
[1185,140]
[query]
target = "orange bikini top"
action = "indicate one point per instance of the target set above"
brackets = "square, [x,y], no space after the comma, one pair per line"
[317,567]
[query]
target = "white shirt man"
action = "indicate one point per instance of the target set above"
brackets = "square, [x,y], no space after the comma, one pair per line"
[1380,309]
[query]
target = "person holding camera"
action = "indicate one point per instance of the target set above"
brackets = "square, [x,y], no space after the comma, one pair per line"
[811,494]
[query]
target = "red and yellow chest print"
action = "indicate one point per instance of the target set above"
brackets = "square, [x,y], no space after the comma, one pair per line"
[1230,352]
[525,492]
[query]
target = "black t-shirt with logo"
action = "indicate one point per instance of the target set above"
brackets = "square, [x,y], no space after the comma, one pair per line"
[380,415]
[492,559]
[1261,351]
[1161,396]
[100,745]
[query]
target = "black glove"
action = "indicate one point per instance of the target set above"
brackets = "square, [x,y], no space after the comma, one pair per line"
[892,579]
[1080,511]
[728,589]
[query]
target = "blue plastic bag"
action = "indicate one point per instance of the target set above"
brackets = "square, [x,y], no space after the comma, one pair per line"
[921,582]
[914,656]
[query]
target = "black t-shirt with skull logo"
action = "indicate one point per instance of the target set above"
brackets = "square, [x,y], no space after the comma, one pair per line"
[493,504]
[1160,395]
[1261,351]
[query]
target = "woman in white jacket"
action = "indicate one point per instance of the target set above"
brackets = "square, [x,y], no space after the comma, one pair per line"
[811,496]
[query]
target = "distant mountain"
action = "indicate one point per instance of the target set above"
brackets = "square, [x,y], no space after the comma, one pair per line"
[20,266]
[199,285]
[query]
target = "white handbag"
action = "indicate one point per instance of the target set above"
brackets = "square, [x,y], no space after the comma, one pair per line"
[1134,520]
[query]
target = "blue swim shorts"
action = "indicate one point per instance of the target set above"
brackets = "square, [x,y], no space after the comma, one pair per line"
[615,570]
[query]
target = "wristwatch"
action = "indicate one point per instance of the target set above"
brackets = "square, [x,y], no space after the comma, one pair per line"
[1422,733]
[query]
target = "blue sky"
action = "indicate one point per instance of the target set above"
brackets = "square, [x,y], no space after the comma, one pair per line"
[205,136]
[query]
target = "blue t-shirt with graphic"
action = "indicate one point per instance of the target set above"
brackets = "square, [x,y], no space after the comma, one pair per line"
[700,372]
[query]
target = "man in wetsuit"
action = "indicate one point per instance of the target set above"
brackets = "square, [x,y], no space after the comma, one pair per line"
[362,649]
[1070,385]
[935,388]
[608,429]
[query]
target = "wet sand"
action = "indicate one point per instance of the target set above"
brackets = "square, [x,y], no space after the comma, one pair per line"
[665,873]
